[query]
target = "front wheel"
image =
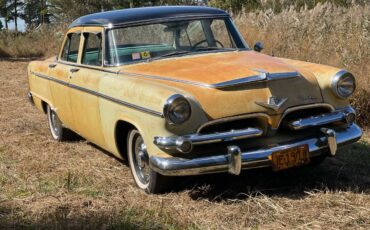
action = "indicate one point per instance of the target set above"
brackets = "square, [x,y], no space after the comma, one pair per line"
[145,177]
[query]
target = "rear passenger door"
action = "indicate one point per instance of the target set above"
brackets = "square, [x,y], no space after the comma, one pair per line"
[60,71]
[84,87]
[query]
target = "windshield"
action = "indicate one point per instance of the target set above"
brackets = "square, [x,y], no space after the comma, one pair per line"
[162,40]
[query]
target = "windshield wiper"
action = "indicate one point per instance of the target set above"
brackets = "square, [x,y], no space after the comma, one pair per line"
[174,53]
[214,48]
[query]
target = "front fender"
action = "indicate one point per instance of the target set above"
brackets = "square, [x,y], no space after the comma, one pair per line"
[324,75]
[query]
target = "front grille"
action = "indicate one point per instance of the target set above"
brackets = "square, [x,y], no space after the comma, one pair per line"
[260,121]
[234,124]
[304,113]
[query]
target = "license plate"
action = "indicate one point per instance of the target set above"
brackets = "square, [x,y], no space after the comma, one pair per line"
[289,158]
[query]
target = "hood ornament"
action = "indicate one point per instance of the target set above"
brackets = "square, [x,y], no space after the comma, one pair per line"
[273,103]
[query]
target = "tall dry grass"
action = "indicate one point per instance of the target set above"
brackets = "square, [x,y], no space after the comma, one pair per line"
[326,34]
[41,42]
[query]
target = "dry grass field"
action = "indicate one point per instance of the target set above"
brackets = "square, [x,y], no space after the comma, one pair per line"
[75,185]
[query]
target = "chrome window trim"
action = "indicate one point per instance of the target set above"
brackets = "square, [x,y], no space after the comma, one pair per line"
[161,20]
[157,20]
[106,97]
[99,68]
[64,43]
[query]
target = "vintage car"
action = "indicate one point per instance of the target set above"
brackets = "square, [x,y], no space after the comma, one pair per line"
[177,91]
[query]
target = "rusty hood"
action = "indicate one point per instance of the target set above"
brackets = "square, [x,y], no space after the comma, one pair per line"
[234,83]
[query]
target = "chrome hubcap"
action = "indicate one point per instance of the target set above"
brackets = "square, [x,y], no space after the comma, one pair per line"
[141,160]
[55,123]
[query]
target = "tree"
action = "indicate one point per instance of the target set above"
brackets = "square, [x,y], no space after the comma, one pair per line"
[16,6]
[69,10]
[1,25]
[5,12]
[36,12]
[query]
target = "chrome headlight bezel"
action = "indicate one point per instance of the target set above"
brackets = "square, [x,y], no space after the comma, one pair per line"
[172,103]
[337,82]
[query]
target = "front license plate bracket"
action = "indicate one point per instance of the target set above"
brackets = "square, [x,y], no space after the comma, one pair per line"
[289,158]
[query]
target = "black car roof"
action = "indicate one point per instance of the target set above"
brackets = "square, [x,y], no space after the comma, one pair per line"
[135,15]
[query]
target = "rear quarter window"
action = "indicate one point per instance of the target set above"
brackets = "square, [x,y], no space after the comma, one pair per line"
[70,48]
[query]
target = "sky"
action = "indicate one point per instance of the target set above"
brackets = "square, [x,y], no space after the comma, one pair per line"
[21,25]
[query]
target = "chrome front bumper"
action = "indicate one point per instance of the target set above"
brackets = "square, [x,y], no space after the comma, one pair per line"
[235,160]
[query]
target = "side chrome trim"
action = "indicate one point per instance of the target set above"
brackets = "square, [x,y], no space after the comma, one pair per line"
[257,158]
[172,143]
[320,120]
[120,102]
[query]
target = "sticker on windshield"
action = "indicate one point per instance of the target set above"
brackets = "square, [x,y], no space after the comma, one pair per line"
[145,55]
[136,56]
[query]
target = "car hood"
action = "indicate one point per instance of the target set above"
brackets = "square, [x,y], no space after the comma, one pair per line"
[233,83]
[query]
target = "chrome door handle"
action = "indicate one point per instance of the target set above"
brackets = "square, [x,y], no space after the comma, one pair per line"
[52,66]
[74,70]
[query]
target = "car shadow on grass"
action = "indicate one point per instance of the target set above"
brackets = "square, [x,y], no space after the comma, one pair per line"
[349,171]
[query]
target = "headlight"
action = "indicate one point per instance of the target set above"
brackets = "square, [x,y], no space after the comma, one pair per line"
[177,110]
[343,84]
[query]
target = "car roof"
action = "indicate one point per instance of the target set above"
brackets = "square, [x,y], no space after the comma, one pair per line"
[146,14]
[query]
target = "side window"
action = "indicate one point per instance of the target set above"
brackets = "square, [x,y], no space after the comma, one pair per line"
[193,34]
[92,52]
[70,49]
[221,34]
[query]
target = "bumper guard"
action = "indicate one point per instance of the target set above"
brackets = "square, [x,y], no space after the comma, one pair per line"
[236,160]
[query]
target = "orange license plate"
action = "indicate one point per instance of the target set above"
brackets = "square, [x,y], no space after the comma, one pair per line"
[289,158]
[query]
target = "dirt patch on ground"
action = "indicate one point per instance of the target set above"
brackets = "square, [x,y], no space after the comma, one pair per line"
[45,184]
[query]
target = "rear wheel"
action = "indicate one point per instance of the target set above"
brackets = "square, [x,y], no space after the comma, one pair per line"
[58,131]
[145,177]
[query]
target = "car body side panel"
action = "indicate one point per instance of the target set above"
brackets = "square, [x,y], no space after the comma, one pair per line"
[39,87]
[85,105]
[60,93]
[146,94]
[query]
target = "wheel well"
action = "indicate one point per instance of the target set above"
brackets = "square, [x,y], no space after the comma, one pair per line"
[121,134]
[44,106]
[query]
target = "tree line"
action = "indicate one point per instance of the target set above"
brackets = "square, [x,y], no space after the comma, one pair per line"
[38,12]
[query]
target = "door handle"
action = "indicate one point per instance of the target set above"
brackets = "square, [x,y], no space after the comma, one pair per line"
[74,70]
[52,66]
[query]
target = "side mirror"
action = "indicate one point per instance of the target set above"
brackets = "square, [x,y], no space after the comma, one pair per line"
[258,46]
